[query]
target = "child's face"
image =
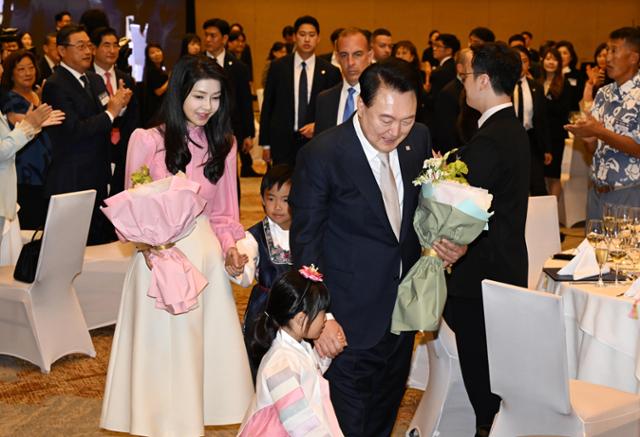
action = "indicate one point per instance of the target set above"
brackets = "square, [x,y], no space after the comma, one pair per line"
[276,204]
[316,327]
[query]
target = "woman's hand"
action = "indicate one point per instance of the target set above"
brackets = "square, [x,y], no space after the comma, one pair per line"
[55,117]
[38,116]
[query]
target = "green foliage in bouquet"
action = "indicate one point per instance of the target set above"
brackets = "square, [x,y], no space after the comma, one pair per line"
[437,169]
[142,176]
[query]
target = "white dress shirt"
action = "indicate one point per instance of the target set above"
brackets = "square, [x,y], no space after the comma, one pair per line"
[527,103]
[343,99]
[112,71]
[297,70]
[50,63]
[375,163]
[219,59]
[489,112]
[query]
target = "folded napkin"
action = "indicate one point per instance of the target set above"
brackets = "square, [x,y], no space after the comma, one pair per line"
[584,264]
[634,290]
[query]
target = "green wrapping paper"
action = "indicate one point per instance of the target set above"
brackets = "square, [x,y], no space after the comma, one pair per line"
[423,292]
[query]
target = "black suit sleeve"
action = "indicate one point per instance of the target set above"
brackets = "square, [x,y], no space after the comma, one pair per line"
[310,194]
[244,101]
[268,103]
[76,128]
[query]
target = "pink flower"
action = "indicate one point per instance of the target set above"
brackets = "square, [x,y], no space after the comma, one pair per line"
[311,273]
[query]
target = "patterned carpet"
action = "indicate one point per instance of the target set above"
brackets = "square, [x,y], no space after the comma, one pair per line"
[67,402]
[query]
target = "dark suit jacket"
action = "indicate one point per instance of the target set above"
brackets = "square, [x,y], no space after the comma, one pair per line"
[541,143]
[326,56]
[327,108]
[277,116]
[340,224]
[81,144]
[498,160]
[442,76]
[446,135]
[127,123]
[242,103]
[44,71]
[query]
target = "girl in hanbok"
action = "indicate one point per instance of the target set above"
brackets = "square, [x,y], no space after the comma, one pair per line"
[172,374]
[292,396]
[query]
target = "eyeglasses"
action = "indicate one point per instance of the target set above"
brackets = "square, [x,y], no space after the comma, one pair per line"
[82,46]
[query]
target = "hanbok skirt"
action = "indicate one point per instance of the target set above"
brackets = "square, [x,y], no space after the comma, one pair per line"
[169,375]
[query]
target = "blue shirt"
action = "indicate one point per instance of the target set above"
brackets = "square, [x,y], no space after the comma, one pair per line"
[618,108]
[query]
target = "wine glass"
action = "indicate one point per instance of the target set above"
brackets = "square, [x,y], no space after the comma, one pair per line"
[609,212]
[602,252]
[617,247]
[595,231]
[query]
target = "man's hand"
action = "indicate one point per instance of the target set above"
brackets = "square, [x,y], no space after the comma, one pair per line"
[449,252]
[332,341]
[234,263]
[548,157]
[307,130]
[119,100]
[266,155]
[587,128]
[38,116]
[247,145]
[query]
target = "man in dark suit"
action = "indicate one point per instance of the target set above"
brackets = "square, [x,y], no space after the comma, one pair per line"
[353,202]
[287,119]
[444,49]
[105,56]
[216,35]
[336,104]
[529,105]
[332,56]
[50,58]
[498,160]
[81,153]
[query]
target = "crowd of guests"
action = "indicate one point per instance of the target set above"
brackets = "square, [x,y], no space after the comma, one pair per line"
[345,133]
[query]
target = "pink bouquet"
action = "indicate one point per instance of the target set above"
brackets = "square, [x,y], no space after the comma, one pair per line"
[155,216]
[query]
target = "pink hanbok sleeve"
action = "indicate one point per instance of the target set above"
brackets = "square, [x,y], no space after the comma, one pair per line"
[140,151]
[224,215]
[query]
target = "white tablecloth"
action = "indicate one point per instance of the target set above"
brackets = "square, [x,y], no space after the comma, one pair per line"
[603,342]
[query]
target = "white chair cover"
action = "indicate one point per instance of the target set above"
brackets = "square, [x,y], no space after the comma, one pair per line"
[444,409]
[43,321]
[542,234]
[574,177]
[528,367]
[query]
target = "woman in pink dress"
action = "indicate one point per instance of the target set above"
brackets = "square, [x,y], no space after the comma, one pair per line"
[169,375]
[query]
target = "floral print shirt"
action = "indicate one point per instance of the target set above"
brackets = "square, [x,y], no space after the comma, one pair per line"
[618,108]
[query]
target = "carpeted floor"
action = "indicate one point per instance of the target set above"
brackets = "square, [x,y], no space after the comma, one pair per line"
[67,402]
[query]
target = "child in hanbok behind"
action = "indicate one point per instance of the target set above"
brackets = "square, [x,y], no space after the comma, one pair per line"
[292,396]
[266,245]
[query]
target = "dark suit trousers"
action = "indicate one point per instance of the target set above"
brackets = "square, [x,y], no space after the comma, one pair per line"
[288,155]
[367,385]
[536,183]
[466,318]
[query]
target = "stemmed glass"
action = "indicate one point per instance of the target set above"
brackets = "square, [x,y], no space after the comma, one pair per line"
[609,212]
[617,247]
[596,236]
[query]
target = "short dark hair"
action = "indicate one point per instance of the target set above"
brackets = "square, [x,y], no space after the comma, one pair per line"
[287,30]
[572,52]
[277,46]
[432,32]
[380,31]
[60,15]
[48,36]
[602,46]
[218,23]
[238,25]
[63,35]
[335,34]
[306,19]
[236,34]
[101,32]
[523,49]
[527,33]
[10,65]
[500,62]
[630,35]
[394,73]
[91,19]
[188,39]
[354,31]
[450,41]
[517,37]
[277,176]
[483,33]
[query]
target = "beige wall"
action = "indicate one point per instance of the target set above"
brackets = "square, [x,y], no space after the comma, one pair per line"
[586,22]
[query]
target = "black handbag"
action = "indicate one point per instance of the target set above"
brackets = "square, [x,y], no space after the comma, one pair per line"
[27,264]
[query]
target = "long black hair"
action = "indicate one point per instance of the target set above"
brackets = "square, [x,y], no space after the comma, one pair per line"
[188,71]
[290,294]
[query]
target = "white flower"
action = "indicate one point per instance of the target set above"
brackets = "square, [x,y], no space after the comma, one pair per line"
[633,171]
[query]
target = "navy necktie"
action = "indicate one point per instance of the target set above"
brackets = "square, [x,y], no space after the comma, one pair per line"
[349,106]
[302,96]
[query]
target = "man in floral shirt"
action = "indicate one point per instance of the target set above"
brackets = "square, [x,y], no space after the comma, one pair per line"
[613,129]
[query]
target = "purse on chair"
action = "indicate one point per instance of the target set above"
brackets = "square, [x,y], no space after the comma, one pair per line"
[25,270]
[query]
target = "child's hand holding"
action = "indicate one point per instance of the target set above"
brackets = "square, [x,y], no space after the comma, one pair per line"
[235,262]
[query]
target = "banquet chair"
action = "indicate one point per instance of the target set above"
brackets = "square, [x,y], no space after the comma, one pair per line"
[444,409]
[542,234]
[43,321]
[527,352]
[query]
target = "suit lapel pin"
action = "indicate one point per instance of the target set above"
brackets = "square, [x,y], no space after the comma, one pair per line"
[407,148]
[321,71]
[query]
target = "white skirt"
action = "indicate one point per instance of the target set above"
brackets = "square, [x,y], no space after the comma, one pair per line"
[169,375]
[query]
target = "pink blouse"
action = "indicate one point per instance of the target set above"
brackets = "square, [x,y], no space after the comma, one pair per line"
[146,146]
